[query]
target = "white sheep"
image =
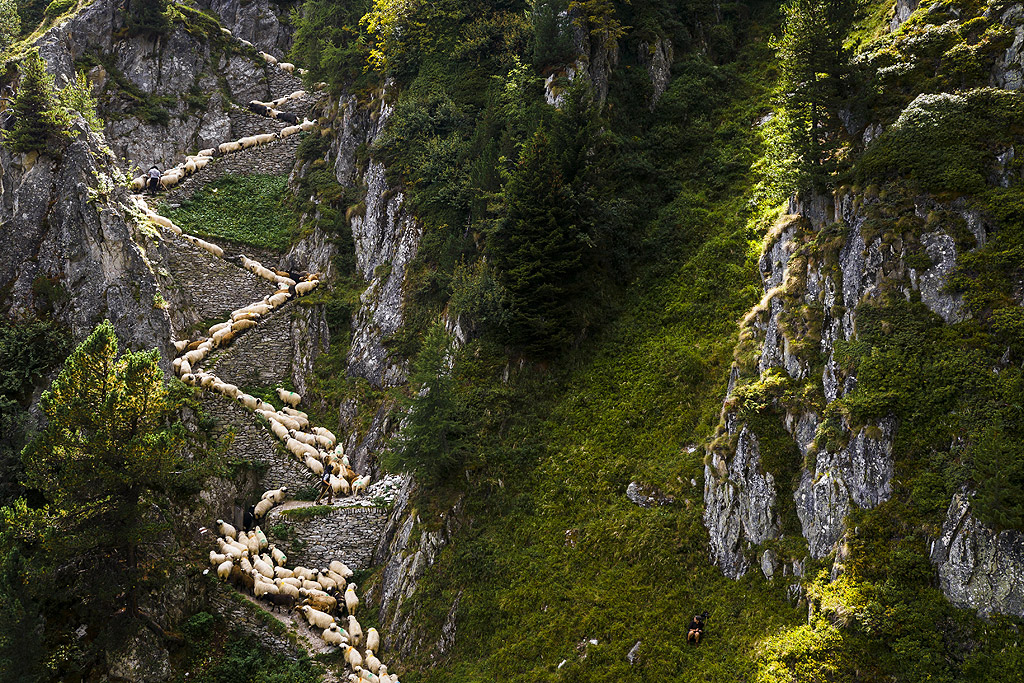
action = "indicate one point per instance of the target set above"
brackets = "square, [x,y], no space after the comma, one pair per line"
[289,397]
[287,576]
[279,557]
[372,640]
[316,617]
[212,248]
[284,133]
[245,565]
[139,183]
[340,568]
[250,402]
[287,588]
[352,655]
[276,494]
[304,573]
[229,147]
[340,486]
[266,138]
[304,288]
[263,568]
[333,635]
[326,581]
[286,66]
[279,299]
[225,31]
[206,152]
[247,142]
[216,559]
[224,569]
[297,94]
[242,325]
[351,599]
[314,465]
[218,327]
[225,529]
[325,432]
[355,632]
[279,430]
[307,125]
[263,507]
[312,587]
[372,663]
[305,438]
[262,538]
[324,442]
[292,423]
[262,586]
[360,484]
[269,59]
[253,544]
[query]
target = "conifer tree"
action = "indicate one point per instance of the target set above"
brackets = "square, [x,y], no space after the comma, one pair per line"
[431,444]
[815,65]
[37,119]
[108,464]
[149,17]
[10,23]
[538,250]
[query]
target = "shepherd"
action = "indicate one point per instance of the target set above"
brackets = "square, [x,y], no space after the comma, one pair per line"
[154,179]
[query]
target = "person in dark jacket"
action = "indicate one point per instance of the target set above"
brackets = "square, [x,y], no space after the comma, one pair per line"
[695,630]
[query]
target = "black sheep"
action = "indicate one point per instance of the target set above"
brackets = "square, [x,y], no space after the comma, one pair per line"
[279,599]
[287,117]
[258,107]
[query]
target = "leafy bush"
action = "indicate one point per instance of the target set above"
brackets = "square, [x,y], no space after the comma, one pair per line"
[944,142]
[58,7]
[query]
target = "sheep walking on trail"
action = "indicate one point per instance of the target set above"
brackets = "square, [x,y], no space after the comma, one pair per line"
[316,617]
[289,397]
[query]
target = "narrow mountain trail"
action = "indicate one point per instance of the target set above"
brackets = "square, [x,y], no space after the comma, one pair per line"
[249,560]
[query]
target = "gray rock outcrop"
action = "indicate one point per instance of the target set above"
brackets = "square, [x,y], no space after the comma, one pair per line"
[979,568]
[810,303]
[69,245]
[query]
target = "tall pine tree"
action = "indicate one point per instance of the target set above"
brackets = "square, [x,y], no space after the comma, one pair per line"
[815,66]
[538,250]
[109,466]
[37,118]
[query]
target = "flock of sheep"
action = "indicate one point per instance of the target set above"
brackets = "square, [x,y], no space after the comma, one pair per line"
[197,162]
[246,558]
[248,561]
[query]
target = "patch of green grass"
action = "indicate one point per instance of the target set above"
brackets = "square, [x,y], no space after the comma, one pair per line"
[303,514]
[246,209]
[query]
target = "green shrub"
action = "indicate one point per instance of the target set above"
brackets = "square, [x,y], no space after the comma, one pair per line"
[58,7]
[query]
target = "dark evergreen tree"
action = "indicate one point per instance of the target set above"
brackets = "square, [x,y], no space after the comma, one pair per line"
[538,250]
[10,23]
[432,441]
[815,66]
[109,466]
[552,33]
[149,17]
[37,119]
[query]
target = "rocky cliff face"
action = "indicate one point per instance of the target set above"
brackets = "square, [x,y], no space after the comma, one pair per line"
[165,97]
[820,263]
[69,245]
[263,23]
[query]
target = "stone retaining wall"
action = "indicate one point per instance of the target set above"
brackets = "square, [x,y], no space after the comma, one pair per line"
[348,534]
[274,158]
[242,614]
[255,444]
[260,357]
[209,287]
